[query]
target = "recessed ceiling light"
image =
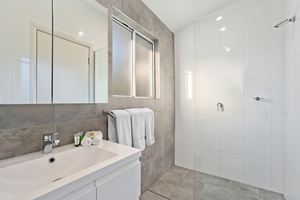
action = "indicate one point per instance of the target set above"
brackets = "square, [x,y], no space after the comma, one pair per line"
[227,49]
[219,18]
[81,34]
[223,29]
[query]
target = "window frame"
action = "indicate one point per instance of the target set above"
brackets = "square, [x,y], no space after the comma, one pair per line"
[134,32]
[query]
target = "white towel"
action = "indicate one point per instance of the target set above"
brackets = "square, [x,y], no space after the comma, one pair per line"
[138,127]
[98,138]
[149,118]
[112,132]
[86,141]
[119,127]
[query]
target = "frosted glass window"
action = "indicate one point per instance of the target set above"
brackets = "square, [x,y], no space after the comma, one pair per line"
[122,60]
[133,62]
[143,67]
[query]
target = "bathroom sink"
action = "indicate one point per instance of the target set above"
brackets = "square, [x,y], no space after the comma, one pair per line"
[46,170]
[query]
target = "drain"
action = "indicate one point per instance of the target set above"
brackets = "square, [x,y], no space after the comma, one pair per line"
[55,180]
[51,160]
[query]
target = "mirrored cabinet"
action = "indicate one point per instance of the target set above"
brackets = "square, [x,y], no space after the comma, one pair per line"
[53,51]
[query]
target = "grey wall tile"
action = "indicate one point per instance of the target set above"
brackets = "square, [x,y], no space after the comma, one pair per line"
[102,126]
[19,141]
[25,116]
[66,130]
[69,113]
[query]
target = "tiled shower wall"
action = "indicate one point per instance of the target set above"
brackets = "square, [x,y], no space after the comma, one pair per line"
[22,126]
[292,128]
[232,61]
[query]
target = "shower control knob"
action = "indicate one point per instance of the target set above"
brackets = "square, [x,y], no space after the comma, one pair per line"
[257,98]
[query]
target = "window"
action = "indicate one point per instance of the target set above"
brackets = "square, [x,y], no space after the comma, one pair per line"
[133,62]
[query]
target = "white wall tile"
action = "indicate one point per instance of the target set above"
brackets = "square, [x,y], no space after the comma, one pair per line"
[232,133]
[277,176]
[5,84]
[258,84]
[258,45]
[277,137]
[278,74]
[188,159]
[209,91]
[258,173]
[258,135]
[232,167]
[230,21]
[278,10]
[258,12]
[210,131]
[231,90]
[278,44]
[232,49]
[210,162]
[198,159]
[207,40]
[243,143]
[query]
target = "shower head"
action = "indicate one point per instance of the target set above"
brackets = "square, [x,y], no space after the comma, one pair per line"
[284,22]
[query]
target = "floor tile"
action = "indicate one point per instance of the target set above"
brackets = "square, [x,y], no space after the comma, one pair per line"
[244,189]
[163,188]
[267,195]
[215,192]
[183,184]
[151,196]
[239,196]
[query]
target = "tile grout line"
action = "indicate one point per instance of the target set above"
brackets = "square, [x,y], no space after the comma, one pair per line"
[158,194]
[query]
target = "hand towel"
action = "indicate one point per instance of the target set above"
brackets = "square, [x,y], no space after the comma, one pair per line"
[149,125]
[119,127]
[98,138]
[112,132]
[138,127]
[86,141]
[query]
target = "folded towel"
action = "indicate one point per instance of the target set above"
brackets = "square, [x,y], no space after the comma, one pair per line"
[138,127]
[86,141]
[119,127]
[149,120]
[112,131]
[98,138]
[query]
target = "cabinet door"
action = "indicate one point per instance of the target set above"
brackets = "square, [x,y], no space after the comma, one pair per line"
[91,195]
[125,184]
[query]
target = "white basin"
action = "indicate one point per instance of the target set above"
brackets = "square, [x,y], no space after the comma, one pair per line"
[19,177]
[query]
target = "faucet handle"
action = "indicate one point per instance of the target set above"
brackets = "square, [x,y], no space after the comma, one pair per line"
[54,139]
[56,142]
[47,137]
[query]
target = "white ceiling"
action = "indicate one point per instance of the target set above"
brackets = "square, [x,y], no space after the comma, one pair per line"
[178,13]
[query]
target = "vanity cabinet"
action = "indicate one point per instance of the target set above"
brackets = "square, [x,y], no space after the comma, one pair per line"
[122,183]
[91,195]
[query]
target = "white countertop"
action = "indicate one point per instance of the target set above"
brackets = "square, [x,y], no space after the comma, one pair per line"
[80,162]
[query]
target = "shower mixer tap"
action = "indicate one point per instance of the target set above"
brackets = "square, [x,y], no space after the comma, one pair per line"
[258,98]
[220,107]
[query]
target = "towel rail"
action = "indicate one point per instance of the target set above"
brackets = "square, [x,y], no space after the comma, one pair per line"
[107,112]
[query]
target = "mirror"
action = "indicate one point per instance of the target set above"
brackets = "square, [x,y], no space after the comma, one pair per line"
[80,52]
[61,61]
[20,21]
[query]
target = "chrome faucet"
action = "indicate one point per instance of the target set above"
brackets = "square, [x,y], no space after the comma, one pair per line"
[49,141]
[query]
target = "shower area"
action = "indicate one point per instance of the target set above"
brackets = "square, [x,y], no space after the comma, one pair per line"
[236,94]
